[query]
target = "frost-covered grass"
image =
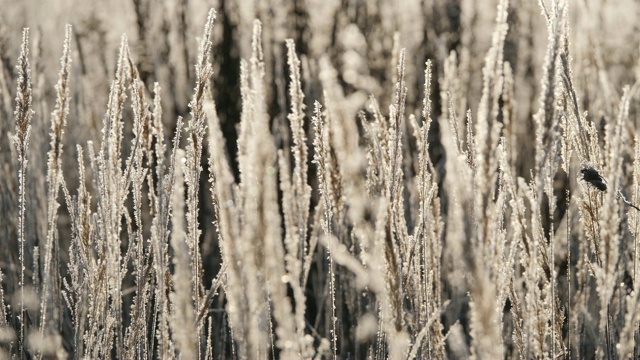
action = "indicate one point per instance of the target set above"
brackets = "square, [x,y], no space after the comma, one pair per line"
[334,179]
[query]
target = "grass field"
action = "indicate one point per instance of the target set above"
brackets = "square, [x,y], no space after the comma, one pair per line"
[306,179]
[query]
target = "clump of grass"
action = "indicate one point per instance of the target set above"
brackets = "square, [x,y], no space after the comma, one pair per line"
[340,211]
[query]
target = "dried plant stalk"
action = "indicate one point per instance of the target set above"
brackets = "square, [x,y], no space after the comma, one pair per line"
[51,302]
[23,115]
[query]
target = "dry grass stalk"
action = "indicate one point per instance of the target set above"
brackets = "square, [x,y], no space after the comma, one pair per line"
[296,201]
[51,300]
[196,129]
[182,321]
[23,115]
